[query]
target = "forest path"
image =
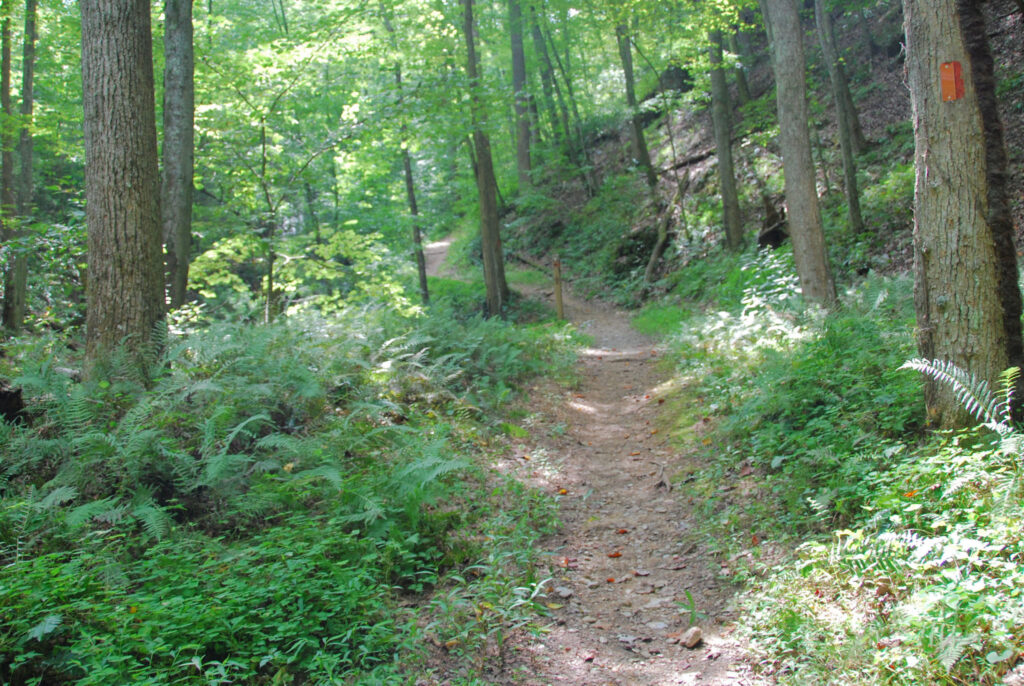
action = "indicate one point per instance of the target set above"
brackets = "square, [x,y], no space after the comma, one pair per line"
[624,574]
[622,565]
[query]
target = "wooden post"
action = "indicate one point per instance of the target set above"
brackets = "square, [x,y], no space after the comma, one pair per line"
[559,308]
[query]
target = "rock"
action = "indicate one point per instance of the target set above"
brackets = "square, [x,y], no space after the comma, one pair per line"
[657,626]
[589,620]
[692,637]
[563,592]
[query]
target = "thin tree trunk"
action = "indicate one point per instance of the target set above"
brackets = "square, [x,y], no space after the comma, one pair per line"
[847,129]
[410,186]
[16,277]
[742,87]
[122,182]
[546,75]
[417,233]
[640,152]
[721,118]
[847,111]
[179,144]
[804,214]
[487,186]
[520,94]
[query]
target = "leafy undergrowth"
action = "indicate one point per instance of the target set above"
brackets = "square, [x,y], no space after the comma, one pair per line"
[271,505]
[905,562]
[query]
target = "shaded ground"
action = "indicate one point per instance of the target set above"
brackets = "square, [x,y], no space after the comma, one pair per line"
[628,581]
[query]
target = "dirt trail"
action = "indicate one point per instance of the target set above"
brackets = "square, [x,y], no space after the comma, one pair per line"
[621,568]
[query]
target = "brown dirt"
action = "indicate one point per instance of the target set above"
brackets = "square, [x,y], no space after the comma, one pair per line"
[625,564]
[624,560]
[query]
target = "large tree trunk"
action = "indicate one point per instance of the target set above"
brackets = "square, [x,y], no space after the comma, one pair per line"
[520,94]
[640,151]
[125,285]
[804,214]
[179,100]
[966,292]
[848,128]
[722,120]
[16,278]
[486,183]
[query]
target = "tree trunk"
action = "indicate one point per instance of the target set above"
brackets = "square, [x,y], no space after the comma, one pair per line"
[721,118]
[486,183]
[966,294]
[16,278]
[410,186]
[7,207]
[417,233]
[176,189]
[122,186]
[804,214]
[742,86]
[847,111]
[520,94]
[546,76]
[848,129]
[640,152]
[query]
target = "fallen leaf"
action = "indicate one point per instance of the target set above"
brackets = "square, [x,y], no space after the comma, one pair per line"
[661,400]
[641,572]
[610,579]
[746,470]
[617,553]
[647,397]
[755,539]
[562,491]
[706,441]
[634,453]
[451,644]
[622,531]
[654,431]
[554,606]
[910,494]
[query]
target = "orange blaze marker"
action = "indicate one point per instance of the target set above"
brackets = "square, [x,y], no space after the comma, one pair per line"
[952,81]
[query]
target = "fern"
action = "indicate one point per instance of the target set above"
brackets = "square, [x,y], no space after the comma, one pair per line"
[974,394]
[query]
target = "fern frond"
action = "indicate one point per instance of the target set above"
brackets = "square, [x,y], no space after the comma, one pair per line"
[972,393]
[83,514]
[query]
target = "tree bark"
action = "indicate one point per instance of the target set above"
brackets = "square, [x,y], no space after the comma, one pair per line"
[520,94]
[640,151]
[966,294]
[7,208]
[487,185]
[16,273]
[742,86]
[547,76]
[125,285]
[721,119]
[178,149]
[848,128]
[845,108]
[805,226]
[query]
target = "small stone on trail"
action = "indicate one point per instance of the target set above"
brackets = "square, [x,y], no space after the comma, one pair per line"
[692,637]
[589,620]
[563,592]
[657,626]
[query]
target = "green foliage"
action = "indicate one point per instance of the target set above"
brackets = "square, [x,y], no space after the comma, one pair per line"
[931,581]
[250,513]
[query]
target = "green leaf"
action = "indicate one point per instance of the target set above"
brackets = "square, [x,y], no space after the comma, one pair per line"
[49,623]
